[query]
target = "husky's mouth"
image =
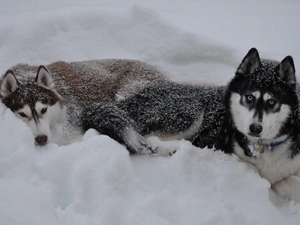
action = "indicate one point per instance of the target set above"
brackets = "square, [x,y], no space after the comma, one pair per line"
[254,135]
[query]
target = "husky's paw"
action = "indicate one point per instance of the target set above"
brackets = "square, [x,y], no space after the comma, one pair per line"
[147,150]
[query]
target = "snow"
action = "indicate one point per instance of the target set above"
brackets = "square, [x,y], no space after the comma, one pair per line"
[96,181]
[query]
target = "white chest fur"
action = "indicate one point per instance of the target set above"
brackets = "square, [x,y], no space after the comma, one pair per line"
[273,165]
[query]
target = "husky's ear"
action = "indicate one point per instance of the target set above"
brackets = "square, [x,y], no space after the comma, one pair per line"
[9,84]
[286,70]
[44,78]
[249,63]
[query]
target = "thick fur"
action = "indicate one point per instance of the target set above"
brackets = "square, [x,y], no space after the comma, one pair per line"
[168,110]
[50,99]
[261,123]
[258,110]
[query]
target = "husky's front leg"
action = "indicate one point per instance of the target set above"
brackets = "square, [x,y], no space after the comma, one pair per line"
[108,119]
[288,188]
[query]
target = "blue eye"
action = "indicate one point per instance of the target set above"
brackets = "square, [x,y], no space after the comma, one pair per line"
[271,102]
[249,98]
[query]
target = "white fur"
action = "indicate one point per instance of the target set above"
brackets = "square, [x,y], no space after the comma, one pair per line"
[267,96]
[49,123]
[256,94]
[271,123]
[273,165]
[136,141]
[241,115]
[27,111]
[277,167]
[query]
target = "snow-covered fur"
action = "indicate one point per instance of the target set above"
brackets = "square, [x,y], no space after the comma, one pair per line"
[168,110]
[261,122]
[50,100]
[255,117]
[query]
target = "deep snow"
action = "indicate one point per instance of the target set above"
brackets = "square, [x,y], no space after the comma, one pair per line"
[95,181]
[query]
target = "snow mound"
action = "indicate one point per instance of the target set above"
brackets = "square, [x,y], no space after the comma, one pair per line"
[96,181]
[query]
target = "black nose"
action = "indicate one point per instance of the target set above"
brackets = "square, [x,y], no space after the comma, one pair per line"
[255,129]
[41,140]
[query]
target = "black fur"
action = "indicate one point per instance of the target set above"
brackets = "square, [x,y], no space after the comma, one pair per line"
[166,108]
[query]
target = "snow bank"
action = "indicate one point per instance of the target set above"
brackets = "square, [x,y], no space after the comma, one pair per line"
[95,181]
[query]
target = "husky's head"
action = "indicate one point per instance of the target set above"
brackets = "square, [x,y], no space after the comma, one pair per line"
[33,100]
[261,98]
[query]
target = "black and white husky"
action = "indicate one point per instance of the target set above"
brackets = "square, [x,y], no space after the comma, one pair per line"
[255,117]
[50,100]
[262,121]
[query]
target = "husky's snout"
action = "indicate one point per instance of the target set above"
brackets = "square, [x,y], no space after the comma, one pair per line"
[41,140]
[255,129]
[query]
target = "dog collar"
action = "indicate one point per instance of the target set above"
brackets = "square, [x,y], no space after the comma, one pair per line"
[259,147]
[274,144]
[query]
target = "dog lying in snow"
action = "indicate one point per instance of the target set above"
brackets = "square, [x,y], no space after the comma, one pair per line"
[50,99]
[262,121]
[255,117]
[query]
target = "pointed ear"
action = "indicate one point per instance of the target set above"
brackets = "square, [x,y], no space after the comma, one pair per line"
[286,70]
[249,63]
[44,78]
[9,84]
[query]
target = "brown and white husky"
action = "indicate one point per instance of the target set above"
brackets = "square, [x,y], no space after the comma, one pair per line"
[49,99]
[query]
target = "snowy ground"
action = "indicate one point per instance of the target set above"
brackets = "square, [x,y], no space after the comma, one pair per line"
[95,181]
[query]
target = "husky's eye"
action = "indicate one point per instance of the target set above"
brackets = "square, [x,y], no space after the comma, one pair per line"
[271,102]
[249,98]
[44,110]
[22,114]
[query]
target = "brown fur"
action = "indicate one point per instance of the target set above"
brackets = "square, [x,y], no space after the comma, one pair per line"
[97,80]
